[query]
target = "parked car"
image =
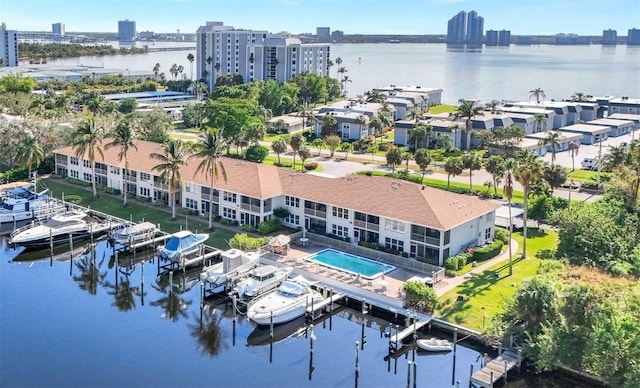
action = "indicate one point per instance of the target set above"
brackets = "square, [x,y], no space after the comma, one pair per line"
[590,163]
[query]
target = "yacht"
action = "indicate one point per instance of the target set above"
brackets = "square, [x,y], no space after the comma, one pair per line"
[130,234]
[235,264]
[20,204]
[261,280]
[181,244]
[59,229]
[291,300]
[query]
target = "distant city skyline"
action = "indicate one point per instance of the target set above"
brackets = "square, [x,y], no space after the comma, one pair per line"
[418,17]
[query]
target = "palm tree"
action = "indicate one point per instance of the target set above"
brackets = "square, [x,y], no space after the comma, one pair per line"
[552,139]
[471,160]
[495,167]
[38,105]
[172,158]
[509,166]
[377,125]
[455,128]
[453,166]
[406,158]
[338,62]
[537,93]
[296,142]
[394,158]
[124,138]
[156,70]
[29,153]
[87,139]
[346,147]
[573,149]
[539,120]
[279,146]
[304,152]
[191,58]
[492,105]
[422,159]
[577,96]
[417,134]
[528,171]
[96,106]
[414,113]
[361,120]
[208,150]
[468,110]
[345,80]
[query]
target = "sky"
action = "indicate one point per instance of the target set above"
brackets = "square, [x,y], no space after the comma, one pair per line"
[521,17]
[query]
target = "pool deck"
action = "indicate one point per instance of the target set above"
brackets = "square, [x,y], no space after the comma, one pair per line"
[389,285]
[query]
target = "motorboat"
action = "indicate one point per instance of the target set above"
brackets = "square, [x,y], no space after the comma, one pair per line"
[130,234]
[261,280]
[235,264]
[291,300]
[182,244]
[59,229]
[434,345]
[23,203]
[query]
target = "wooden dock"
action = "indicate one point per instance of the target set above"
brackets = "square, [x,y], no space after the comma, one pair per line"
[399,337]
[495,370]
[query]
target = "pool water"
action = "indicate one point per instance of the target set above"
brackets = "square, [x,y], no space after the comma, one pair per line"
[353,264]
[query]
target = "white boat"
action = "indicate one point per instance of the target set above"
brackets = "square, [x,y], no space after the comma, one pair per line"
[235,264]
[181,244]
[76,225]
[261,280]
[435,345]
[20,204]
[291,300]
[130,234]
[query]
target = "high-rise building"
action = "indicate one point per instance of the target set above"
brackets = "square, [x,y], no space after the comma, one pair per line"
[609,36]
[633,37]
[255,55]
[504,38]
[8,46]
[457,28]
[57,32]
[323,32]
[465,28]
[492,38]
[475,28]
[337,34]
[126,30]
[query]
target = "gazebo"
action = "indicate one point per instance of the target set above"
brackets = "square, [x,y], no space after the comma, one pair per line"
[280,244]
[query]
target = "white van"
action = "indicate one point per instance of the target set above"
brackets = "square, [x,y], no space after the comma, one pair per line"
[589,163]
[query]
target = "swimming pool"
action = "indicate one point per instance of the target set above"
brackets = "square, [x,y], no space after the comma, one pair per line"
[353,264]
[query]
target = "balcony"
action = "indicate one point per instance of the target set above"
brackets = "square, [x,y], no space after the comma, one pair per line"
[425,239]
[130,178]
[251,208]
[366,225]
[315,213]
[101,171]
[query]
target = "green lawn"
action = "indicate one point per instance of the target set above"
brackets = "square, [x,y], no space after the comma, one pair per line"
[442,108]
[484,293]
[586,175]
[137,211]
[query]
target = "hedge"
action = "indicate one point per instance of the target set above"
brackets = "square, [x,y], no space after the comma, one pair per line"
[488,251]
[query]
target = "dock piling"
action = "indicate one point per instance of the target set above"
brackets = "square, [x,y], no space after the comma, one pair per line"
[357,370]
[408,374]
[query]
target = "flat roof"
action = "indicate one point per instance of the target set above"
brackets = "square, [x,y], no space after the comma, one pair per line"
[610,122]
[586,128]
[564,136]
[137,95]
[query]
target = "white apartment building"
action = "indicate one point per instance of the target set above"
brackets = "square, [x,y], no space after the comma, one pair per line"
[8,47]
[415,221]
[255,55]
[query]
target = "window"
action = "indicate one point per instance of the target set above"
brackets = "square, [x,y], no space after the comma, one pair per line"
[230,197]
[229,213]
[87,177]
[145,177]
[191,204]
[114,170]
[340,231]
[145,192]
[74,174]
[487,234]
[74,161]
[340,212]
[392,243]
[293,219]
[190,188]
[86,163]
[292,201]
[394,225]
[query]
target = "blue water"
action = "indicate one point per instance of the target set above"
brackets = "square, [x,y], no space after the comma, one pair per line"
[350,263]
[67,323]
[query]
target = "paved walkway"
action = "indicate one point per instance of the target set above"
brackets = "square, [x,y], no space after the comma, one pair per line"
[451,283]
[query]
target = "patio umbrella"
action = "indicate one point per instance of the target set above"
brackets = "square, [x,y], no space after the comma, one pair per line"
[279,241]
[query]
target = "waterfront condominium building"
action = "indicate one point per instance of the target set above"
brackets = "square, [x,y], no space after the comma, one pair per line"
[255,55]
[57,32]
[633,38]
[609,37]
[465,28]
[126,30]
[323,32]
[8,46]
[504,38]
[415,222]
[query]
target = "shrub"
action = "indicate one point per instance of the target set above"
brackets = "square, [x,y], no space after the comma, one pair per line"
[269,226]
[385,147]
[248,228]
[502,234]
[244,242]
[256,153]
[591,186]
[451,264]
[488,251]
[462,259]
[281,212]
[421,296]
[311,166]
[547,253]
[450,273]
